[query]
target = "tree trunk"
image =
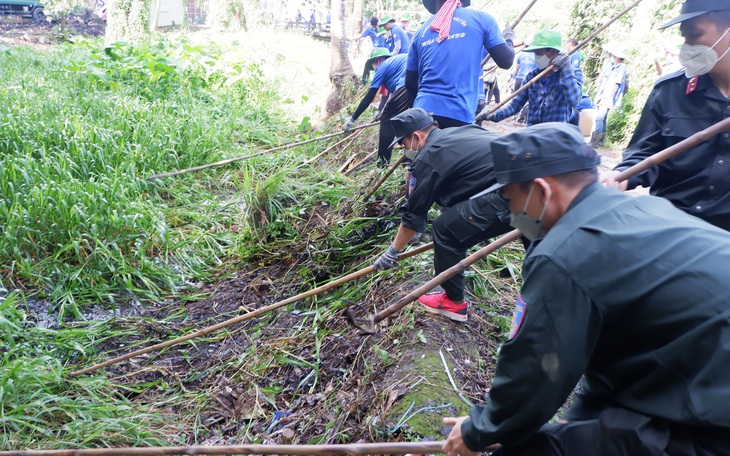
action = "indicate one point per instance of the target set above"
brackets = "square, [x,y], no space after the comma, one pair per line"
[127,20]
[342,75]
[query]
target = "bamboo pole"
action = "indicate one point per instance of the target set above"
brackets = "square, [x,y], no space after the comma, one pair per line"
[551,67]
[344,449]
[514,24]
[360,163]
[249,315]
[236,159]
[383,179]
[671,151]
[638,168]
[324,152]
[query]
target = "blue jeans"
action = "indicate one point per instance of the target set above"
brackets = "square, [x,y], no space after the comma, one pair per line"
[601,116]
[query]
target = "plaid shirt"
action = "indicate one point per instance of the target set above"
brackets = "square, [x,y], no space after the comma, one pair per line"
[552,98]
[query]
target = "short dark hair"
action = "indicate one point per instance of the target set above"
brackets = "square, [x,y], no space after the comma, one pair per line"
[720,18]
[374,21]
[573,42]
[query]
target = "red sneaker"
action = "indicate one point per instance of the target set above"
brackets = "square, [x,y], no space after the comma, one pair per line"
[441,304]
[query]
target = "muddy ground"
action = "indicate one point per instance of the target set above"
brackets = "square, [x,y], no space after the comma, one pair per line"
[16,31]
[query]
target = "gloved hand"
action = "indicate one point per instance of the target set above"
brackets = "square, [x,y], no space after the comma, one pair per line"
[346,127]
[508,34]
[484,115]
[561,61]
[387,260]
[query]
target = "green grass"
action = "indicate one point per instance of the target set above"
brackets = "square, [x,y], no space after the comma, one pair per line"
[82,128]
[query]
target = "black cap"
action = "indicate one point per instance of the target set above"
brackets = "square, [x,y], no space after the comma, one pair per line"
[409,121]
[541,150]
[431,5]
[694,8]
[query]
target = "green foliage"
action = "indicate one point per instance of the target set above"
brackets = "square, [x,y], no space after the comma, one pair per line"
[83,129]
[41,407]
[623,118]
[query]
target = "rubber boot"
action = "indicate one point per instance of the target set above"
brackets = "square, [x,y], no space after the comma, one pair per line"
[597,139]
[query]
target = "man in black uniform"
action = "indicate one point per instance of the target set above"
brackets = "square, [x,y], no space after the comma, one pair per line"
[448,167]
[682,104]
[628,292]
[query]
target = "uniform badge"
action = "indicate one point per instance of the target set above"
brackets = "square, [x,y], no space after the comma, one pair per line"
[517,317]
[411,184]
[691,85]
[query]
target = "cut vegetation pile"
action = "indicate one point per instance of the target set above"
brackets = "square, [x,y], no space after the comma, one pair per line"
[97,261]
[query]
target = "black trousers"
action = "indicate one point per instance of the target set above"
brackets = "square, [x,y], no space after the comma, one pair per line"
[461,227]
[399,101]
[448,122]
[621,432]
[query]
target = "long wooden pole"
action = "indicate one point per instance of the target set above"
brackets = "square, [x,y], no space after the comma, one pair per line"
[344,449]
[249,315]
[638,168]
[384,178]
[514,24]
[551,67]
[236,159]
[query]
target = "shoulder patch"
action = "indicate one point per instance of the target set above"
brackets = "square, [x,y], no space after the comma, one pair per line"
[517,316]
[411,184]
[692,85]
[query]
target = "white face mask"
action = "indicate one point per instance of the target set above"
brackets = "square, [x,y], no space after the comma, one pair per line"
[542,61]
[411,153]
[698,59]
[530,227]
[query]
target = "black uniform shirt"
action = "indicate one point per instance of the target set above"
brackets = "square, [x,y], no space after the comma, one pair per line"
[697,181]
[634,294]
[454,164]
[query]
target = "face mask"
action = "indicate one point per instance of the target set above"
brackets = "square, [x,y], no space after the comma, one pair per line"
[411,153]
[542,61]
[531,228]
[698,59]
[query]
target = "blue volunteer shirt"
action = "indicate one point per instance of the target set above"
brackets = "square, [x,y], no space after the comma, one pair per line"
[372,33]
[526,61]
[400,35]
[448,72]
[391,73]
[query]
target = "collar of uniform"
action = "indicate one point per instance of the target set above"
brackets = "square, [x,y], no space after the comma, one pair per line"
[583,194]
[432,137]
[705,84]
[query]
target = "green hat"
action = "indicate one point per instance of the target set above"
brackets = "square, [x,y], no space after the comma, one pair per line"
[406,17]
[413,27]
[545,39]
[385,19]
[377,53]
[381,30]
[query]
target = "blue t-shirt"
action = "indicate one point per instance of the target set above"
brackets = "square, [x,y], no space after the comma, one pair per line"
[576,58]
[448,72]
[400,35]
[378,41]
[526,61]
[391,73]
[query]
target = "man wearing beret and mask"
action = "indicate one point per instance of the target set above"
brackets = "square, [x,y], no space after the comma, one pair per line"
[444,62]
[681,104]
[628,292]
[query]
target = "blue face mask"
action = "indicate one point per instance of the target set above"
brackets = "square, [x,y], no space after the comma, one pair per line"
[530,227]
